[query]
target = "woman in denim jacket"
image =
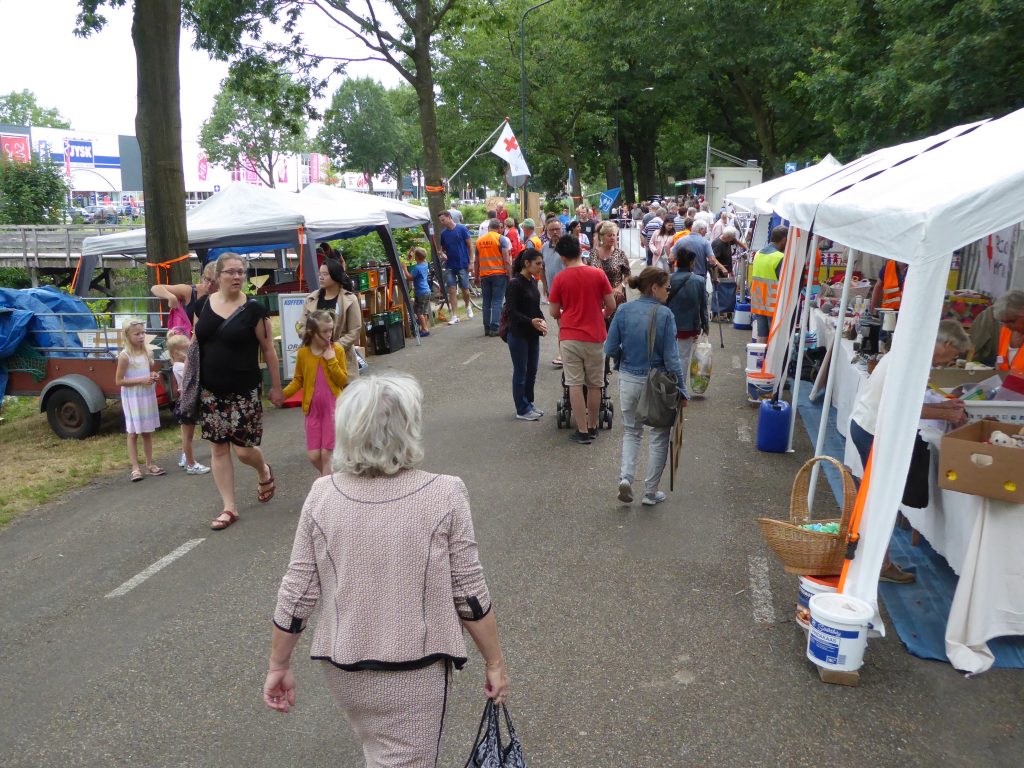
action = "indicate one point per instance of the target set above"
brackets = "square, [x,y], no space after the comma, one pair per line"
[627,344]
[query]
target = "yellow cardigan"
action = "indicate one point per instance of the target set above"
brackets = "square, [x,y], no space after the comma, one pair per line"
[306,364]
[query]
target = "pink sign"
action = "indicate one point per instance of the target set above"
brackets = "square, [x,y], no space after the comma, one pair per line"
[282,172]
[314,168]
[15,148]
[204,166]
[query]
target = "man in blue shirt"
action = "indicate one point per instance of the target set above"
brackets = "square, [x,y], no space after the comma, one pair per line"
[456,246]
[564,217]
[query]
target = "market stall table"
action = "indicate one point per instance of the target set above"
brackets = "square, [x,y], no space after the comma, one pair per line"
[978,537]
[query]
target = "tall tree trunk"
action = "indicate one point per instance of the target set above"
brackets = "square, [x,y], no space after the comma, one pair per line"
[156,32]
[626,169]
[369,181]
[424,87]
[611,167]
[645,169]
[577,190]
[398,176]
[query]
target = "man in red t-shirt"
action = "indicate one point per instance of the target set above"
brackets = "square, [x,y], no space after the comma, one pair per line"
[580,299]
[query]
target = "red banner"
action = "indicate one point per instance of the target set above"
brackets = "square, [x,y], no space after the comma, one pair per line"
[314,168]
[16,148]
[204,166]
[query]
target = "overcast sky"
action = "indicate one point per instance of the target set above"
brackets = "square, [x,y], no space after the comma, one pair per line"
[92,80]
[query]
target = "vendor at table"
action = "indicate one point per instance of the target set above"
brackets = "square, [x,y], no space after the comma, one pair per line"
[950,343]
[1009,311]
[888,290]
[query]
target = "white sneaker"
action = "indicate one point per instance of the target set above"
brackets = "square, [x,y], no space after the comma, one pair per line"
[181,460]
[453,321]
[196,469]
[650,501]
[528,416]
[625,492]
[537,410]
[469,312]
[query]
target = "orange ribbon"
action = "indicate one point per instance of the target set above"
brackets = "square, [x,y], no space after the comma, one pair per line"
[434,189]
[165,266]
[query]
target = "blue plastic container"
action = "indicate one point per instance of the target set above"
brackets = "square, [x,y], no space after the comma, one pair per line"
[773,426]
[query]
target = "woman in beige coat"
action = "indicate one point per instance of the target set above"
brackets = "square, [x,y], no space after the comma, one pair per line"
[334,296]
[389,553]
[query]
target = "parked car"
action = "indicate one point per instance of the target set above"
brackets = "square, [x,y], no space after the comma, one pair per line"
[97,214]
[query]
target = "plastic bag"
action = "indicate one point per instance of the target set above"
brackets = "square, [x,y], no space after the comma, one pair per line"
[700,366]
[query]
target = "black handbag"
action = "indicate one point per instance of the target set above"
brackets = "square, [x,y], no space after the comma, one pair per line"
[915,491]
[487,749]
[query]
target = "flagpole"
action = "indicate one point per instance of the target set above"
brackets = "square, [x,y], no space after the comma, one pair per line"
[476,151]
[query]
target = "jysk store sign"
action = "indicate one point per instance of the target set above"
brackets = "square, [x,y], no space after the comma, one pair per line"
[79,152]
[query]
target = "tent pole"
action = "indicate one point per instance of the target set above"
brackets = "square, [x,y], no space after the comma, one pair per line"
[396,264]
[830,381]
[435,258]
[805,316]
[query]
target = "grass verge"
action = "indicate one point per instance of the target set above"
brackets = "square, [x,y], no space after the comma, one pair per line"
[37,466]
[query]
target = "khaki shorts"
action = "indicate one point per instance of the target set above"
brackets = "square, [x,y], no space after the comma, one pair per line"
[582,363]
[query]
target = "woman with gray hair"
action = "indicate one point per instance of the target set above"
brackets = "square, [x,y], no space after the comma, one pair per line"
[391,551]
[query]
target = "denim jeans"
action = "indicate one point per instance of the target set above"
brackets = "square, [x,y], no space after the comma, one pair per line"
[630,387]
[525,357]
[493,288]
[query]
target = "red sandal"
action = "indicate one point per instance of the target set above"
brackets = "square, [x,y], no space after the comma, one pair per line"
[219,525]
[265,495]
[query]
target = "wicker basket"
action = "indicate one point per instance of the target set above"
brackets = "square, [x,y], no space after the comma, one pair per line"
[810,553]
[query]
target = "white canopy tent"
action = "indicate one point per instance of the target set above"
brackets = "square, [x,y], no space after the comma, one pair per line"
[915,203]
[757,199]
[400,215]
[244,214]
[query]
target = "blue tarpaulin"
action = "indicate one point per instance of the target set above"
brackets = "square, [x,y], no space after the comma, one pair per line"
[44,329]
[13,329]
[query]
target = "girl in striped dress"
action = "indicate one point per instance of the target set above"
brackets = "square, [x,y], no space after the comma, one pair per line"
[138,396]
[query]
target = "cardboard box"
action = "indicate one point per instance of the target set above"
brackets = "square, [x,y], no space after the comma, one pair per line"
[970,465]
[947,378]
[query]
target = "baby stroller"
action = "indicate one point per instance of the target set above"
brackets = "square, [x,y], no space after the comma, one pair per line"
[563,410]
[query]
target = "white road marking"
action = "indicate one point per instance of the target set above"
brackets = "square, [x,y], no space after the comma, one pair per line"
[743,433]
[761,591]
[159,565]
[471,359]
[736,362]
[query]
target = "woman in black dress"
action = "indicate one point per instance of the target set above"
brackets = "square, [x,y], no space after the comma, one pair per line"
[231,331]
[525,327]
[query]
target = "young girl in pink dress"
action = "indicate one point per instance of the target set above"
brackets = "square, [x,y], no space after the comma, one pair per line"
[137,381]
[321,377]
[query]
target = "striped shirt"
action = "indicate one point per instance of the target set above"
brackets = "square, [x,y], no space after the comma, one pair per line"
[652,227]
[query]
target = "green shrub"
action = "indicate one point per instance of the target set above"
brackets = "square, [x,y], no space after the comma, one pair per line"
[14,277]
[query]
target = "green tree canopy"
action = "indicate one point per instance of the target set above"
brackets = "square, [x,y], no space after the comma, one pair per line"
[31,193]
[21,108]
[360,129]
[259,115]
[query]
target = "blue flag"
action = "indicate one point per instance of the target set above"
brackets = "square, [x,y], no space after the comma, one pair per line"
[608,199]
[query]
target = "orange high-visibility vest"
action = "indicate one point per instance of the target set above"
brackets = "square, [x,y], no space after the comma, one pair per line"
[535,242]
[1003,362]
[488,249]
[764,282]
[892,293]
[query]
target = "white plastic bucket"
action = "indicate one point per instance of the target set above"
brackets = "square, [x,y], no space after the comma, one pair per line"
[839,631]
[809,587]
[741,317]
[759,387]
[755,357]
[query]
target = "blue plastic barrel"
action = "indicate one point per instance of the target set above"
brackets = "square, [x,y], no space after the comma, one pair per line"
[773,426]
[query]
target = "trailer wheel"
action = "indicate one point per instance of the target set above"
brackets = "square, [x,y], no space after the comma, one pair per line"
[69,415]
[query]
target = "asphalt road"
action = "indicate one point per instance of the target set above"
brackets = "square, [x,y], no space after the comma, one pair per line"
[635,636]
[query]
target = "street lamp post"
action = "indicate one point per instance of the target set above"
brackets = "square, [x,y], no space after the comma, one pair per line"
[522,68]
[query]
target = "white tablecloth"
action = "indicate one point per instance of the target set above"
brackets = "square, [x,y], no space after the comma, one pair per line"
[980,538]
